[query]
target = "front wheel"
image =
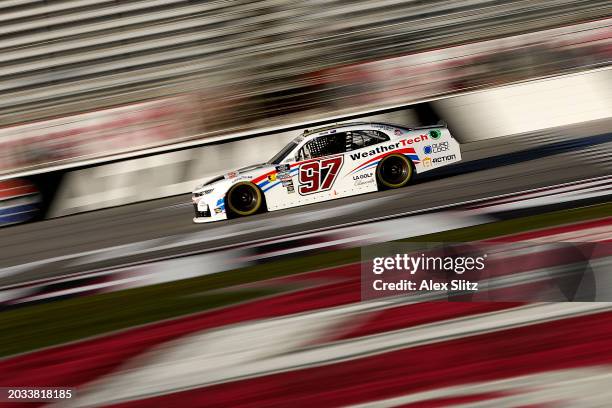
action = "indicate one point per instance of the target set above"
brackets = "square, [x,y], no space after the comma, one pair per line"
[244,199]
[394,171]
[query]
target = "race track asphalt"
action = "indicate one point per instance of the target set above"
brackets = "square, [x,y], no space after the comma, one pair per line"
[491,167]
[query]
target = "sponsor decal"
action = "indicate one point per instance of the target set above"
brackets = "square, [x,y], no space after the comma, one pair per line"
[283,172]
[427,162]
[444,158]
[284,175]
[363,176]
[218,210]
[231,175]
[435,134]
[319,175]
[364,179]
[384,127]
[436,148]
[417,139]
[364,182]
[272,177]
[201,193]
[374,152]
[397,132]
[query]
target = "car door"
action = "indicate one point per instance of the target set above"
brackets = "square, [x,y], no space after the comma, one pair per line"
[325,167]
[336,165]
[309,174]
[362,157]
[319,165]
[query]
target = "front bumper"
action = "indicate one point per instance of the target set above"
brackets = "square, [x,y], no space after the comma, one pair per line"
[205,211]
[201,214]
[204,220]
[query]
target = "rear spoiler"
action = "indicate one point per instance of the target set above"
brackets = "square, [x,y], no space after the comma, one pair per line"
[439,124]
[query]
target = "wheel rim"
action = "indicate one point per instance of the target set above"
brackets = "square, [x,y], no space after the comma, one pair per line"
[244,199]
[394,171]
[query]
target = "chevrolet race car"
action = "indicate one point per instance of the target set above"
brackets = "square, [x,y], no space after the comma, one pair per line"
[327,163]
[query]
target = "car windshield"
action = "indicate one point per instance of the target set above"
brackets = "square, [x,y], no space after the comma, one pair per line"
[280,156]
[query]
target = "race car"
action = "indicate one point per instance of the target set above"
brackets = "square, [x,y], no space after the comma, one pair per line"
[323,164]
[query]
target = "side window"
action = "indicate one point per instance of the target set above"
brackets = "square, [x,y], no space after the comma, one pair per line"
[363,138]
[324,146]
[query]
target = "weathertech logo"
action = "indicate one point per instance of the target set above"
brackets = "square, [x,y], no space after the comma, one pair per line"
[444,159]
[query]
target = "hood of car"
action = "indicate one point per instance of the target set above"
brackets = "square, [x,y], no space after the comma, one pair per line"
[213,182]
[253,167]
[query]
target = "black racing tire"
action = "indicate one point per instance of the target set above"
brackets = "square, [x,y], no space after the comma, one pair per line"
[244,199]
[394,171]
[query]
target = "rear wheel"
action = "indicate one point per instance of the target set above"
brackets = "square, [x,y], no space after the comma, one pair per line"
[244,199]
[394,171]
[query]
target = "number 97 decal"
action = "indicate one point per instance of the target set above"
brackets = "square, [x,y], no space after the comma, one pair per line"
[319,175]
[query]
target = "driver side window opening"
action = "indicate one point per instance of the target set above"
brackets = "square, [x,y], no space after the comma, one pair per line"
[358,139]
[342,142]
[327,145]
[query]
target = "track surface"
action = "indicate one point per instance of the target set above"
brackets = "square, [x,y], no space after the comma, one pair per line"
[492,167]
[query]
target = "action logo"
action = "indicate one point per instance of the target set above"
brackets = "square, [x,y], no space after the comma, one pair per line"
[444,158]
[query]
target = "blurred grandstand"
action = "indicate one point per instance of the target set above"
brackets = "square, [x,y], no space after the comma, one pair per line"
[246,65]
[248,60]
[112,111]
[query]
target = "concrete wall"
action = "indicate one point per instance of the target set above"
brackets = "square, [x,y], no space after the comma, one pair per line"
[529,106]
[480,115]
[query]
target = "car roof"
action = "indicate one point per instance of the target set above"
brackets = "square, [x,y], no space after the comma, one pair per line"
[309,132]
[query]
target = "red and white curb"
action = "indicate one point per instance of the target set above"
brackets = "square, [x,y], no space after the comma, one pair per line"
[321,345]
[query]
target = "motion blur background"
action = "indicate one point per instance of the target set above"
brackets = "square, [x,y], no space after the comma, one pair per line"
[124,106]
[85,82]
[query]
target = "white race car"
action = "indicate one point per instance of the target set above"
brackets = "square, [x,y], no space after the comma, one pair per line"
[327,163]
